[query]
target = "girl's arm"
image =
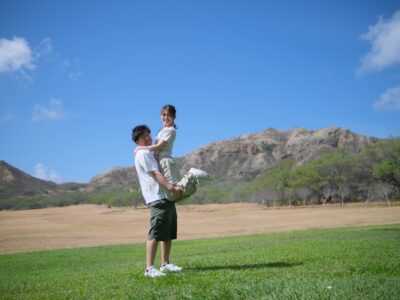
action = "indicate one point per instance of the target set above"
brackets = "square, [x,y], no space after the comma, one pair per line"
[161,144]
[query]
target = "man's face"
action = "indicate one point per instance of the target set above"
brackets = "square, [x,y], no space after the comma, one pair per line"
[145,139]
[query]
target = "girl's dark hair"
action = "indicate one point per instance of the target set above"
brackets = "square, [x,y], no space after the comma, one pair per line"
[138,131]
[171,110]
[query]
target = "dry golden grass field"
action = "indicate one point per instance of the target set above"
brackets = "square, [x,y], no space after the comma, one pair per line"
[92,225]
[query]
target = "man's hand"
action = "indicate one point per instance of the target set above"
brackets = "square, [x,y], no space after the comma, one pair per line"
[173,189]
[176,191]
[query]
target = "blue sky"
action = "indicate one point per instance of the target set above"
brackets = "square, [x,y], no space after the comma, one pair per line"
[76,76]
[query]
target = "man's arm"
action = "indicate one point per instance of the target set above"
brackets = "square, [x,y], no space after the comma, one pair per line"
[165,183]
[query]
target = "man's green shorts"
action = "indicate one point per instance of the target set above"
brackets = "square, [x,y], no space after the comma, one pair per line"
[163,221]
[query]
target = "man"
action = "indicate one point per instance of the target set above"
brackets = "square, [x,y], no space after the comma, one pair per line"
[163,222]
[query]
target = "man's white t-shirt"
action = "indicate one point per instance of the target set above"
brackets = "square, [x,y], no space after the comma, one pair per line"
[145,163]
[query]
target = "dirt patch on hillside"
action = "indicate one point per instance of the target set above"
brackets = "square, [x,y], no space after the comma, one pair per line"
[91,225]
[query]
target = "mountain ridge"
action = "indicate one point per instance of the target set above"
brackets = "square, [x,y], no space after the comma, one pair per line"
[248,155]
[241,158]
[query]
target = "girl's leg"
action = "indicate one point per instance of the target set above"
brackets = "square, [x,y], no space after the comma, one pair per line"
[171,172]
[188,185]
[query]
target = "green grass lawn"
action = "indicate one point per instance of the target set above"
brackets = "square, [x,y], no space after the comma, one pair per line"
[346,263]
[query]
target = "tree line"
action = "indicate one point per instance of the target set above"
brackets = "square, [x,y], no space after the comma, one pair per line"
[110,198]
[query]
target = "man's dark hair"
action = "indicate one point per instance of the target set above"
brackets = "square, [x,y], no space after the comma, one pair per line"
[138,131]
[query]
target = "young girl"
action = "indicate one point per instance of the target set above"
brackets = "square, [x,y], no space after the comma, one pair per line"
[162,148]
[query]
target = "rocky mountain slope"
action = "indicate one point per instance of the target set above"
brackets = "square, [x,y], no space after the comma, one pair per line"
[115,178]
[247,156]
[16,183]
[241,158]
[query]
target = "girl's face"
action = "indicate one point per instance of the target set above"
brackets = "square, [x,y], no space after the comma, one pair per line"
[167,118]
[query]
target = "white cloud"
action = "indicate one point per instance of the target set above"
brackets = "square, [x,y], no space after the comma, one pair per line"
[72,68]
[7,116]
[384,37]
[389,100]
[19,59]
[42,172]
[15,55]
[53,112]
[45,48]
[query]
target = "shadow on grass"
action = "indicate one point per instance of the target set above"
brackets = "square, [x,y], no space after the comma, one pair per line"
[245,266]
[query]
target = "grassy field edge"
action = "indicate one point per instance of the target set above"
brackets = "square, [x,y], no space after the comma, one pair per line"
[335,263]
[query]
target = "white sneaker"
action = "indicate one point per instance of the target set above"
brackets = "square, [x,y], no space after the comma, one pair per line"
[153,272]
[200,175]
[170,268]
